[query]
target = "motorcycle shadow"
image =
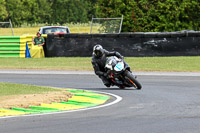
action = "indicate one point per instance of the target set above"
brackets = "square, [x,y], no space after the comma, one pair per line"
[115,88]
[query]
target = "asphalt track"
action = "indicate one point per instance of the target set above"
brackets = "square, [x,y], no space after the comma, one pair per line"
[167,103]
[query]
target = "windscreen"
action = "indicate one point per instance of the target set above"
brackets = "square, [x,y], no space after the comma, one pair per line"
[55,30]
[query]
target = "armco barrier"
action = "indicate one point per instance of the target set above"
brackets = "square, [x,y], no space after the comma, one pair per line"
[15,46]
[139,44]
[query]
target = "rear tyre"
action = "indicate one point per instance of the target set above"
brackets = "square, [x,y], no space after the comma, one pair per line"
[131,79]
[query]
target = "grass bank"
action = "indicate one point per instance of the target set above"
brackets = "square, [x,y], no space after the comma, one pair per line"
[168,64]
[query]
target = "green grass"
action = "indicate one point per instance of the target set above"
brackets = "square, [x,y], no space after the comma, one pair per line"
[61,63]
[7,89]
[170,64]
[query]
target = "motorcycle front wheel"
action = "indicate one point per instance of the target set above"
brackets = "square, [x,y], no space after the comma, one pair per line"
[131,79]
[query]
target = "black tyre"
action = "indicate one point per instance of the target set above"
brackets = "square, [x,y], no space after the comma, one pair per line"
[131,79]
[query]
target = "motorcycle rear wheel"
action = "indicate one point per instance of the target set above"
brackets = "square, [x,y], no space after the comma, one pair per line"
[132,80]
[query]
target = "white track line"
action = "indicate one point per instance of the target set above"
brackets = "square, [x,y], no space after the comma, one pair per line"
[155,73]
[118,99]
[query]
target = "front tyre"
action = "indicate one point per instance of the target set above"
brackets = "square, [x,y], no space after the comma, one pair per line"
[131,79]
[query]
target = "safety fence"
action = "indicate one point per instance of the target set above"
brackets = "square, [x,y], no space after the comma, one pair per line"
[15,46]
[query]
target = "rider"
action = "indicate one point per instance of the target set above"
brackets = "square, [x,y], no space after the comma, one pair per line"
[99,60]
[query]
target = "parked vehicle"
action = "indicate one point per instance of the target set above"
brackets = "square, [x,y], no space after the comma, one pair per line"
[120,73]
[54,29]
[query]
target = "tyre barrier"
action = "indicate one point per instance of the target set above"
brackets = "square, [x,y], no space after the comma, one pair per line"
[10,46]
[137,44]
[80,99]
[15,46]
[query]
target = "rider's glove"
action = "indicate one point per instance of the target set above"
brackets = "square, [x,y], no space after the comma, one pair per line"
[109,76]
[105,74]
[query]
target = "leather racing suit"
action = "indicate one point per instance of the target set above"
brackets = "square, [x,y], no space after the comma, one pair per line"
[99,65]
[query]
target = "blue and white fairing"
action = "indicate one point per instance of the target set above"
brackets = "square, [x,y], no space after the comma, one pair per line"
[119,67]
[114,63]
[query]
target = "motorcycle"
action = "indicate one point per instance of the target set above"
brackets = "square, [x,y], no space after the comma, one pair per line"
[120,74]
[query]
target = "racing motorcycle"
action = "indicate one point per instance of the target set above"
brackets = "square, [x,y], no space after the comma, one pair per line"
[120,74]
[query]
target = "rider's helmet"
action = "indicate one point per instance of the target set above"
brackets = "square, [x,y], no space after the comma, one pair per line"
[98,50]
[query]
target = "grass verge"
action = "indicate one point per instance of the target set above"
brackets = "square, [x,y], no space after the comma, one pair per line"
[168,64]
[16,89]
[22,96]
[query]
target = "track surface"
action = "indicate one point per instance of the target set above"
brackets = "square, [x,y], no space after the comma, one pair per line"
[166,104]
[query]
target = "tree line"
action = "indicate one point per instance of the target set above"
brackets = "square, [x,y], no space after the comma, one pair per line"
[139,15]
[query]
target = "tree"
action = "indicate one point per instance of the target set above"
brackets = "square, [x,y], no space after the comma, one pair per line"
[91,9]
[3,11]
[117,8]
[69,11]
[28,11]
[43,10]
[153,15]
[14,9]
[47,11]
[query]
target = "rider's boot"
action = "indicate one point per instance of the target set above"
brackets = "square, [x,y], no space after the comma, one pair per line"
[107,85]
